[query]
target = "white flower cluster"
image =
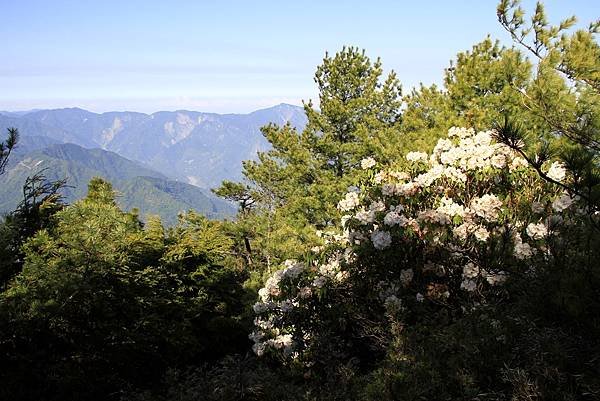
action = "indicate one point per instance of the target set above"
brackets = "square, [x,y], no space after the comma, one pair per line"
[471,272]
[273,304]
[280,341]
[349,202]
[537,231]
[413,204]
[557,172]
[367,163]
[395,218]
[465,153]
[522,249]
[563,202]
[417,157]
[381,239]
[451,209]
[449,204]
[487,206]
[474,151]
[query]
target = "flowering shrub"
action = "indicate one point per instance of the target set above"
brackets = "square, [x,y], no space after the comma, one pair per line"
[447,232]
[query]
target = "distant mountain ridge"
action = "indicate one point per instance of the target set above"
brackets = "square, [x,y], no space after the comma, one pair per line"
[194,147]
[137,186]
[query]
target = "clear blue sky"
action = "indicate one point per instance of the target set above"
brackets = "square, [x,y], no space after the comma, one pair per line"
[224,56]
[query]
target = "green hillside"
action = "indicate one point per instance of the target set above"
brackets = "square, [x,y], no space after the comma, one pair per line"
[139,187]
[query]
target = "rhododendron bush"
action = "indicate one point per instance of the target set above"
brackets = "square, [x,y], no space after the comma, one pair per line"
[445,234]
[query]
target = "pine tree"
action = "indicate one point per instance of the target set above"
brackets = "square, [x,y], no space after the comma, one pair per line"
[7,147]
[41,201]
[564,93]
[106,305]
[481,86]
[293,188]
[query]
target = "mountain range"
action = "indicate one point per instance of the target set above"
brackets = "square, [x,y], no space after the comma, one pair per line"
[160,163]
[201,149]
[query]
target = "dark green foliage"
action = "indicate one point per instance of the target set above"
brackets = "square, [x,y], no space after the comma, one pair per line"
[102,304]
[234,378]
[565,93]
[7,147]
[41,200]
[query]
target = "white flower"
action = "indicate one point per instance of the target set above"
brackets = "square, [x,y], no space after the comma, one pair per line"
[349,202]
[263,294]
[461,132]
[272,284]
[557,172]
[450,208]
[416,156]
[399,175]
[406,276]
[420,297]
[463,231]
[408,189]
[482,234]
[365,216]
[517,163]
[377,206]
[484,138]
[367,163]
[537,231]
[282,341]
[487,206]
[331,268]
[395,218]
[498,161]
[455,174]
[264,324]
[379,177]
[342,276]
[442,144]
[451,156]
[292,269]
[522,250]
[468,285]
[470,270]
[433,216]
[563,202]
[260,307]
[381,239]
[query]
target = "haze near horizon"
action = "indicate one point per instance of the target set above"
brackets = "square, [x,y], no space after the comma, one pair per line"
[225,58]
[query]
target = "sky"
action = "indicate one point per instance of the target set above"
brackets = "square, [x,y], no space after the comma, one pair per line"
[228,55]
